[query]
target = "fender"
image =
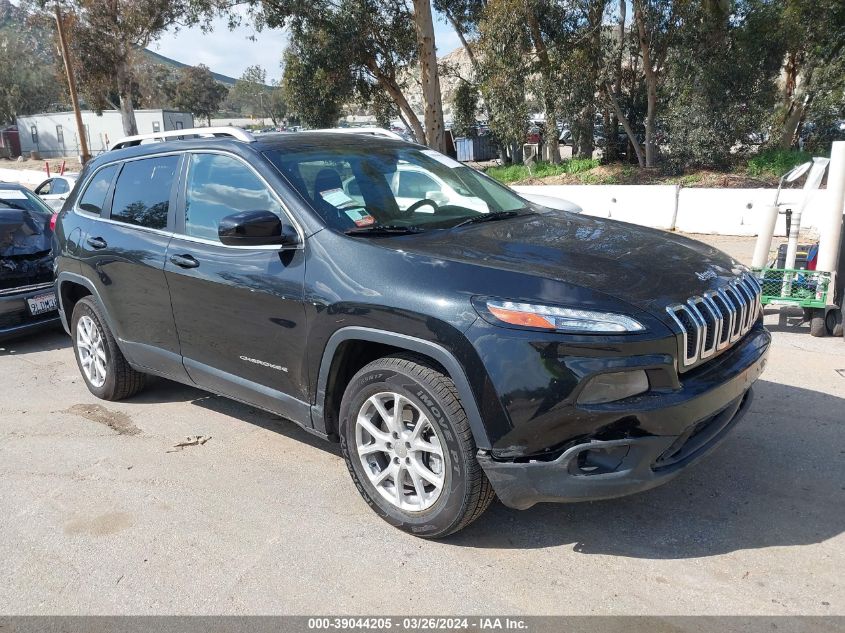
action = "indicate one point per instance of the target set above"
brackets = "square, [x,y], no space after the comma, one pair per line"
[411,344]
[82,281]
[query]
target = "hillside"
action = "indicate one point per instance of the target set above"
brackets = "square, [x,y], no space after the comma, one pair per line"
[156,58]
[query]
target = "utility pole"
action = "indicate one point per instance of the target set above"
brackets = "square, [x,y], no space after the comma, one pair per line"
[71,84]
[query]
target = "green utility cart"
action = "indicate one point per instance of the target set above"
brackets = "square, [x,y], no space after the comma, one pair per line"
[811,290]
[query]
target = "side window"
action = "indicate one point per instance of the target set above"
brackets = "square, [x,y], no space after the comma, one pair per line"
[415,185]
[142,192]
[219,186]
[94,197]
[45,189]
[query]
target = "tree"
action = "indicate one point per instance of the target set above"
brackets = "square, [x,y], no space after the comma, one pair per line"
[363,42]
[277,107]
[464,16]
[198,92]
[464,109]
[655,22]
[250,93]
[154,85]
[814,37]
[505,46]
[105,38]
[315,83]
[719,80]
[434,131]
[28,84]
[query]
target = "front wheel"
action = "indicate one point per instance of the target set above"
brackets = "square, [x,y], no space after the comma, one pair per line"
[409,448]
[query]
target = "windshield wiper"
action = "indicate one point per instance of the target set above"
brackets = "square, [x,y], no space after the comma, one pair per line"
[383,229]
[489,217]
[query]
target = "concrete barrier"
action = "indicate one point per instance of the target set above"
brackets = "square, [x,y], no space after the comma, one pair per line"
[738,211]
[688,209]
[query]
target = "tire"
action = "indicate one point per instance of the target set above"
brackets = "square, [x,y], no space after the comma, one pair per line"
[116,380]
[833,322]
[817,323]
[429,401]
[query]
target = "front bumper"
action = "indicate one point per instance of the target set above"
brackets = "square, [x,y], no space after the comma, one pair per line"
[601,469]
[15,317]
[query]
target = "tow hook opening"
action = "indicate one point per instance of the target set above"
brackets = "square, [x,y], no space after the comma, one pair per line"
[598,461]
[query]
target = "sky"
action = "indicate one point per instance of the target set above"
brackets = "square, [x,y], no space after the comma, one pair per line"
[230,52]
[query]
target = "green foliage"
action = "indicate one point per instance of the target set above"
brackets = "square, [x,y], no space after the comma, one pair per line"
[516,173]
[720,82]
[27,84]
[198,92]
[315,82]
[775,162]
[250,94]
[464,110]
[342,49]
[504,45]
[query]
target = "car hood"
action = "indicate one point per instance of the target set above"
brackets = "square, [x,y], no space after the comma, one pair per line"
[644,267]
[24,232]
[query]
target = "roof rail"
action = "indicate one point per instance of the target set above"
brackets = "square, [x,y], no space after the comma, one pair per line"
[232,132]
[372,131]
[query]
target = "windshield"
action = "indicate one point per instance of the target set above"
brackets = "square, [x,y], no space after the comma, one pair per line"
[400,186]
[22,200]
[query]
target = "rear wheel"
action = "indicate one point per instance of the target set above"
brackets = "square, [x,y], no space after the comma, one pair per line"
[408,446]
[106,372]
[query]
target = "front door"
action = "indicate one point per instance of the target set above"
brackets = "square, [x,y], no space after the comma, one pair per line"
[239,310]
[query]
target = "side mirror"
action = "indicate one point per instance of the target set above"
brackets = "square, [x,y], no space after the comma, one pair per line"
[256,228]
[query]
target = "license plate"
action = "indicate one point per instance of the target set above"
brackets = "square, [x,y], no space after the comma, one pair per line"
[40,304]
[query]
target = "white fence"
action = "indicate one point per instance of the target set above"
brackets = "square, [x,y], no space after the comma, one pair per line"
[688,209]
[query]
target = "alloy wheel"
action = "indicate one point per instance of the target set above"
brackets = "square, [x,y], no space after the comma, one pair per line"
[92,351]
[401,451]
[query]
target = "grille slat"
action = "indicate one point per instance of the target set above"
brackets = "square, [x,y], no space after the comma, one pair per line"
[709,324]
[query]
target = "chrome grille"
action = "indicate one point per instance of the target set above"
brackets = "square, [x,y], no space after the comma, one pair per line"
[710,323]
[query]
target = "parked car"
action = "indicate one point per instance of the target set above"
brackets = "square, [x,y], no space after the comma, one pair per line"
[54,191]
[455,355]
[27,296]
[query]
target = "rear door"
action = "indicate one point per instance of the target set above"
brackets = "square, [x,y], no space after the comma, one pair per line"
[239,310]
[123,254]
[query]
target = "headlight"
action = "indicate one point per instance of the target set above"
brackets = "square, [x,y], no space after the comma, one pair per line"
[562,319]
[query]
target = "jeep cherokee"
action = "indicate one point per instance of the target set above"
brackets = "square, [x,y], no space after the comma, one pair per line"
[456,351]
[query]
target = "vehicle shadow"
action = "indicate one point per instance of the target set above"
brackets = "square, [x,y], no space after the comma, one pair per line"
[789,319]
[165,391]
[45,341]
[778,480]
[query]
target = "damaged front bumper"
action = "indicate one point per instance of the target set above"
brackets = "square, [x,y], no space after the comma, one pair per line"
[606,469]
[594,469]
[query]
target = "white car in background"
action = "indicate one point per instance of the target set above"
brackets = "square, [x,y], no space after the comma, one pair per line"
[54,191]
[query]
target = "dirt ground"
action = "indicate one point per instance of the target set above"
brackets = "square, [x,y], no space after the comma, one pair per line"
[100,515]
[72,164]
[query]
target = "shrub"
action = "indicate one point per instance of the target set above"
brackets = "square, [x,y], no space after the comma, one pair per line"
[775,162]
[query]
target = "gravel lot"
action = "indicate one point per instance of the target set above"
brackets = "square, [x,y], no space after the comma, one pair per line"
[100,517]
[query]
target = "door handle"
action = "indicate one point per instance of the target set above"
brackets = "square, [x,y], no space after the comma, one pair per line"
[184,261]
[96,242]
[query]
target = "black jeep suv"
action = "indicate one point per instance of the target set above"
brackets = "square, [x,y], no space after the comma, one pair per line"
[458,341]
